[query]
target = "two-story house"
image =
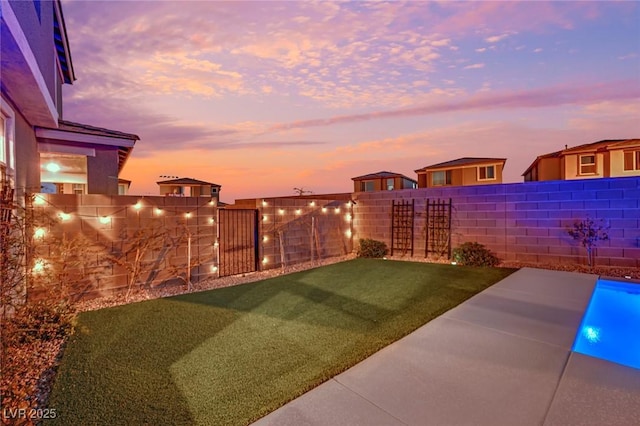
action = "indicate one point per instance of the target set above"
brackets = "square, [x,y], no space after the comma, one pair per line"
[607,158]
[382,181]
[39,151]
[462,172]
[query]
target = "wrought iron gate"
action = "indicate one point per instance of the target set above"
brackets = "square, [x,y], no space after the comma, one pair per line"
[237,241]
[438,235]
[402,227]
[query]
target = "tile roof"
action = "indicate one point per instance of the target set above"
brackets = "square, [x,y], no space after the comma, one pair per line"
[70,126]
[465,161]
[382,175]
[186,181]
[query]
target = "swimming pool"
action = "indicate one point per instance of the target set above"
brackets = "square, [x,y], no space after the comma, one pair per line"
[610,328]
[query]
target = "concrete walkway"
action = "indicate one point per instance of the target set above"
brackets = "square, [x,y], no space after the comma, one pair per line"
[501,358]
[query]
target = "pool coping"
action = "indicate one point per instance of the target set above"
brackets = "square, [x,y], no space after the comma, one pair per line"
[502,357]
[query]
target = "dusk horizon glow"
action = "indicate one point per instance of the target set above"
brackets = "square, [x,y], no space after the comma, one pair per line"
[262,97]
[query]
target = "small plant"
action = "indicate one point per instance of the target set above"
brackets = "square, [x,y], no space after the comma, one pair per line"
[474,254]
[372,248]
[588,232]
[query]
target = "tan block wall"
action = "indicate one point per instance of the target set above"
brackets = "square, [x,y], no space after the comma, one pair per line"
[102,239]
[523,221]
[291,219]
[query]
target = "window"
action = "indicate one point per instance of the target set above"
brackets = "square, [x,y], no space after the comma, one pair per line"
[487,173]
[587,164]
[441,178]
[631,160]
[7,149]
[366,185]
[406,183]
[78,188]
[390,184]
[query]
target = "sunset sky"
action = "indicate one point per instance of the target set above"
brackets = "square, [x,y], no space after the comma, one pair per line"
[262,97]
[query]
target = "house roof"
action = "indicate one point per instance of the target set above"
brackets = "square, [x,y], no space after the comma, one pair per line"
[83,134]
[603,145]
[382,175]
[462,162]
[186,181]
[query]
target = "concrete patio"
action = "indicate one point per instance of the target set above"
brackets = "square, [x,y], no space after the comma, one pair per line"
[501,358]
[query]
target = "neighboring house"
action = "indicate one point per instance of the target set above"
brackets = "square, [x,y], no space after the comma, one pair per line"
[35,61]
[382,181]
[123,186]
[188,187]
[462,172]
[607,158]
[80,159]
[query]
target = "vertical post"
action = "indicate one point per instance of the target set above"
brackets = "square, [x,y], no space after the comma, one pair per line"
[313,227]
[449,228]
[413,205]
[256,239]
[188,260]
[393,218]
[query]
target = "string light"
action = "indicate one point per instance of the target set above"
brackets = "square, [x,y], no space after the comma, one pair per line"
[212,220]
[187,215]
[39,266]
[105,219]
[265,238]
[265,260]
[158,211]
[264,203]
[64,216]
[337,210]
[298,211]
[348,233]
[264,219]
[38,200]
[137,205]
[347,217]
[281,211]
[214,268]
[39,233]
[324,210]
[312,204]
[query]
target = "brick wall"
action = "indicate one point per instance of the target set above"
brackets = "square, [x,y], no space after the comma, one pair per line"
[109,225]
[522,221]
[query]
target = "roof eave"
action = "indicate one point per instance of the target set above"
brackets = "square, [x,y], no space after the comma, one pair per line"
[69,74]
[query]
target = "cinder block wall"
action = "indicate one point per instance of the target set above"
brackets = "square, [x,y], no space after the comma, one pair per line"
[290,220]
[525,222]
[109,224]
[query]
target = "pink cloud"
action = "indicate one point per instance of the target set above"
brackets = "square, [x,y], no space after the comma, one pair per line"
[536,98]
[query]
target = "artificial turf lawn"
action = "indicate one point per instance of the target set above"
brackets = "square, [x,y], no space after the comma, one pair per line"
[232,355]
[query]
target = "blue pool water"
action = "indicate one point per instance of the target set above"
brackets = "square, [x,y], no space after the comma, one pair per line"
[610,327]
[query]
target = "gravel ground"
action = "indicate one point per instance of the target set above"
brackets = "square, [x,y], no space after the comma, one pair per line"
[207,284]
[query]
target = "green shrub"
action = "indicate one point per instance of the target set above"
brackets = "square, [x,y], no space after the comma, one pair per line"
[372,248]
[474,254]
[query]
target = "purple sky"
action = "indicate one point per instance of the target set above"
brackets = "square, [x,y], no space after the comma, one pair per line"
[261,97]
